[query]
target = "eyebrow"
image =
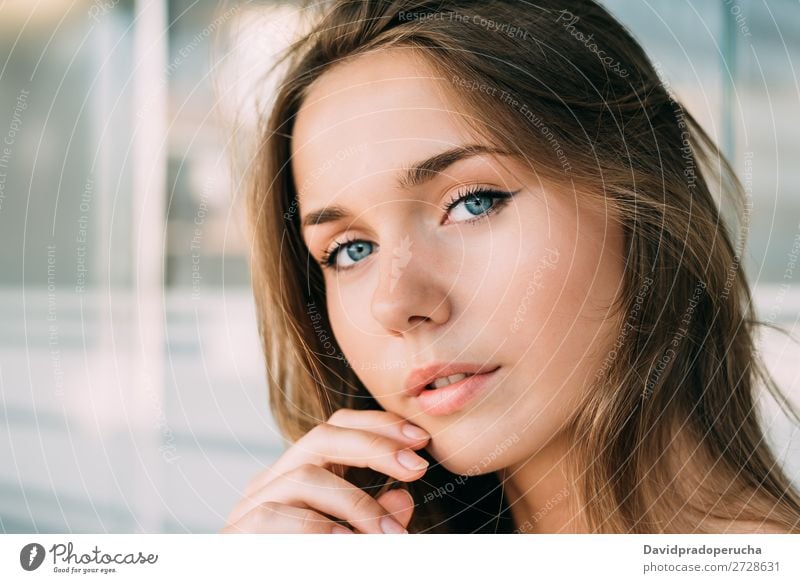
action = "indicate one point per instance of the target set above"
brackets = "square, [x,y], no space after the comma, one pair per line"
[412,176]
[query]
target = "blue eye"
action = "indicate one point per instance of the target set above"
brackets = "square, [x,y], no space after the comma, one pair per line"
[355,250]
[479,203]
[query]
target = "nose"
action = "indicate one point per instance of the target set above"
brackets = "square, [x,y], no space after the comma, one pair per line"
[411,290]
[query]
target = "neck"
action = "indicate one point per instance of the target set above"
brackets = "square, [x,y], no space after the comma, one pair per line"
[541,498]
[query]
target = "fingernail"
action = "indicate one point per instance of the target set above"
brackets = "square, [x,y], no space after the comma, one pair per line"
[414,432]
[338,529]
[390,526]
[410,460]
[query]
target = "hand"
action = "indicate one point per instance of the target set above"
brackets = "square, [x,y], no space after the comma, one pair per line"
[291,495]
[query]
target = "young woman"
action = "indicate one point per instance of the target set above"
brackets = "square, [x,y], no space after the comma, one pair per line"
[494,289]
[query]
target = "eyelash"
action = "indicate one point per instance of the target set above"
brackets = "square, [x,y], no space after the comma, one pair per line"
[327,260]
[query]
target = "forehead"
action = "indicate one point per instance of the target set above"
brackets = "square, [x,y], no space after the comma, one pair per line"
[367,118]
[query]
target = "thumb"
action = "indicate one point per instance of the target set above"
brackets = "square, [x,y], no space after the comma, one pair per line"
[399,503]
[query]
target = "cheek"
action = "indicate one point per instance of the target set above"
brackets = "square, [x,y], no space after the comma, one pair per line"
[361,341]
[565,294]
[558,276]
[528,264]
[349,312]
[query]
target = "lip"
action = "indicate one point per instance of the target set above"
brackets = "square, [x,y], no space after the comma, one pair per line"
[451,398]
[420,377]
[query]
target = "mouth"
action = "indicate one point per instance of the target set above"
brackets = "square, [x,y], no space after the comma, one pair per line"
[445,381]
[446,395]
[441,375]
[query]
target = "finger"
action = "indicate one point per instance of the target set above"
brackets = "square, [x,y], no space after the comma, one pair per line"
[311,486]
[277,518]
[382,422]
[326,445]
[316,445]
[400,503]
[330,444]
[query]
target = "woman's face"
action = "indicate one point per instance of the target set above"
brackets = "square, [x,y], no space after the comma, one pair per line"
[521,283]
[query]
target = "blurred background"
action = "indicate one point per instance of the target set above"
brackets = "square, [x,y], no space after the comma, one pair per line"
[131,376]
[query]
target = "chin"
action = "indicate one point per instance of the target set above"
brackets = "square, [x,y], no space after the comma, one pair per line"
[472,459]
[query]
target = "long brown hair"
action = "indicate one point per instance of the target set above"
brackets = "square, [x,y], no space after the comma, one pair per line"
[667,438]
